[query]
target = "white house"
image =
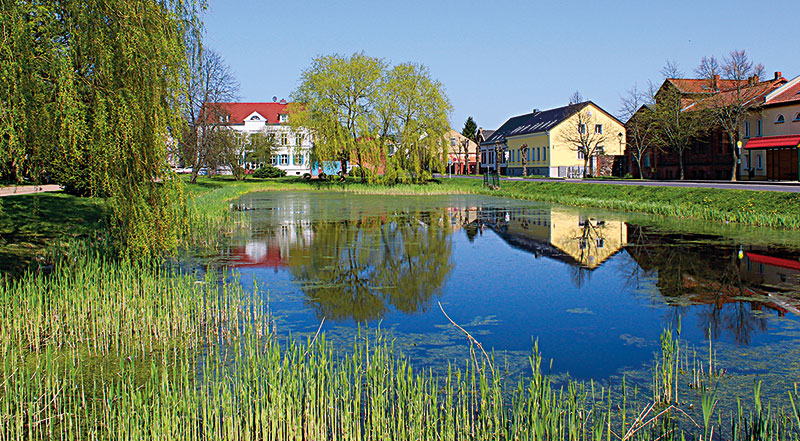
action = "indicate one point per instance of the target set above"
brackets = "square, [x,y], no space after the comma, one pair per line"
[293,148]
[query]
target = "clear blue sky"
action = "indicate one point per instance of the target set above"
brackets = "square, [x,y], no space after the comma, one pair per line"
[502,58]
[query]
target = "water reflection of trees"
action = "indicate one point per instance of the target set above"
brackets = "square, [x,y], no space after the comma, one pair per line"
[694,270]
[357,269]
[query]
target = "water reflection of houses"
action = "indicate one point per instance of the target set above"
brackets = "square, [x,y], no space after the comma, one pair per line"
[274,235]
[558,233]
[732,282]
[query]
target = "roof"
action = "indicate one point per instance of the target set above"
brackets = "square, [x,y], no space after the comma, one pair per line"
[769,142]
[788,93]
[700,85]
[750,95]
[239,111]
[488,134]
[774,261]
[535,122]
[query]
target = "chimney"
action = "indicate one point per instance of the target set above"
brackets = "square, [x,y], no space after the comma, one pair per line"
[716,82]
[778,75]
[283,101]
[753,79]
[535,111]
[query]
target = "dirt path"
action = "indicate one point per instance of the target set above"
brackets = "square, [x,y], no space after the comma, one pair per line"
[27,189]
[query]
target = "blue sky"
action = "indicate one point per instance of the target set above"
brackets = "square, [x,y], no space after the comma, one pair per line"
[502,58]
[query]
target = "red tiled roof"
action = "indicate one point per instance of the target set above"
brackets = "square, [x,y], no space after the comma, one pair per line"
[239,111]
[766,142]
[790,95]
[751,95]
[697,85]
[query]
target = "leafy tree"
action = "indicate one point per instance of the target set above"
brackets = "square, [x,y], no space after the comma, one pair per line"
[421,120]
[355,106]
[89,91]
[470,129]
[335,99]
[260,148]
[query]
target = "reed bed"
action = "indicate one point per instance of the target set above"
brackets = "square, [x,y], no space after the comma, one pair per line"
[259,386]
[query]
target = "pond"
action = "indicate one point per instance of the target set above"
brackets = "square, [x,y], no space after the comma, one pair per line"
[594,288]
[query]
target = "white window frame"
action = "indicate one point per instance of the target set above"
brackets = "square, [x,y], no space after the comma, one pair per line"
[780,119]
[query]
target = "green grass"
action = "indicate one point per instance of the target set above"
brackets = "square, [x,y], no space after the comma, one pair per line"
[30,225]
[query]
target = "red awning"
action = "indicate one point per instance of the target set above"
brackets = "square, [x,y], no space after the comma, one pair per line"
[774,261]
[771,142]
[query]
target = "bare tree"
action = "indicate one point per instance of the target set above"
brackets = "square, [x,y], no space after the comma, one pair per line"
[676,126]
[729,105]
[637,113]
[576,97]
[523,151]
[671,70]
[208,83]
[585,136]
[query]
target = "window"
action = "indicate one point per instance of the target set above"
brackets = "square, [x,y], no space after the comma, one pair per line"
[580,154]
[284,139]
[797,117]
[544,153]
[758,162]
[600,242]
[284,159]
[747,129]
[581,128]
[283,117]
[646,161]
[598,128]
[758,127]
[298,139]
[483,157]
[601,150]
[529,154]
[452,142]
[780,119]
[274,160]
[298,159]
[255,118]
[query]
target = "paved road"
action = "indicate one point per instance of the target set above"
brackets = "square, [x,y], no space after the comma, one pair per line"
[787,186]
[27,189]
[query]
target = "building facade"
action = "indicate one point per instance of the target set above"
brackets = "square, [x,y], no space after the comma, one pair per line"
[462,154]
[539,143]
[771,136]
[292,151]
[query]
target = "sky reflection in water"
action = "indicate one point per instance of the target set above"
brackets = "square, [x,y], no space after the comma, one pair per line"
[595,288]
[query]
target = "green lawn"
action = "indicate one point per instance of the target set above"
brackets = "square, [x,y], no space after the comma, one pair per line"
[31,224]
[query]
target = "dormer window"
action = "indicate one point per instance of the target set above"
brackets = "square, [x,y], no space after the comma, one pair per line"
[797,117]
[779,119]
[255,118]
[283,118]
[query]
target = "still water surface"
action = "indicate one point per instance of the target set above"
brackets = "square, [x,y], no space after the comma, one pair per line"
[594,288]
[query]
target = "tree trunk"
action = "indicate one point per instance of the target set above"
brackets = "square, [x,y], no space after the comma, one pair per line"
[585,166]
[735,149]
[680,162]
[361,167]
[639,162]
[194,175]
[343,166]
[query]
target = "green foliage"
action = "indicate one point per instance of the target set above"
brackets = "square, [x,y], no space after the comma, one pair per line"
[269,171]
[355,172]
[94,109]
[362,111]
[470,129]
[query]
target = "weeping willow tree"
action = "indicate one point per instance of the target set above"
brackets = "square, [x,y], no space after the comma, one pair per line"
[360,110]
[88,90]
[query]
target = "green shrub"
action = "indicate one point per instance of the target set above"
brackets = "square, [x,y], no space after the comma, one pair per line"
[269,171]
[355,172]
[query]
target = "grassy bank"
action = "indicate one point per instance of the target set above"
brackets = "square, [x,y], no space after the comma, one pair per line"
[747,207]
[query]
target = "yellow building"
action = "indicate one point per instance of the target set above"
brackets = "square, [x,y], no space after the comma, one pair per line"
[555,143]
